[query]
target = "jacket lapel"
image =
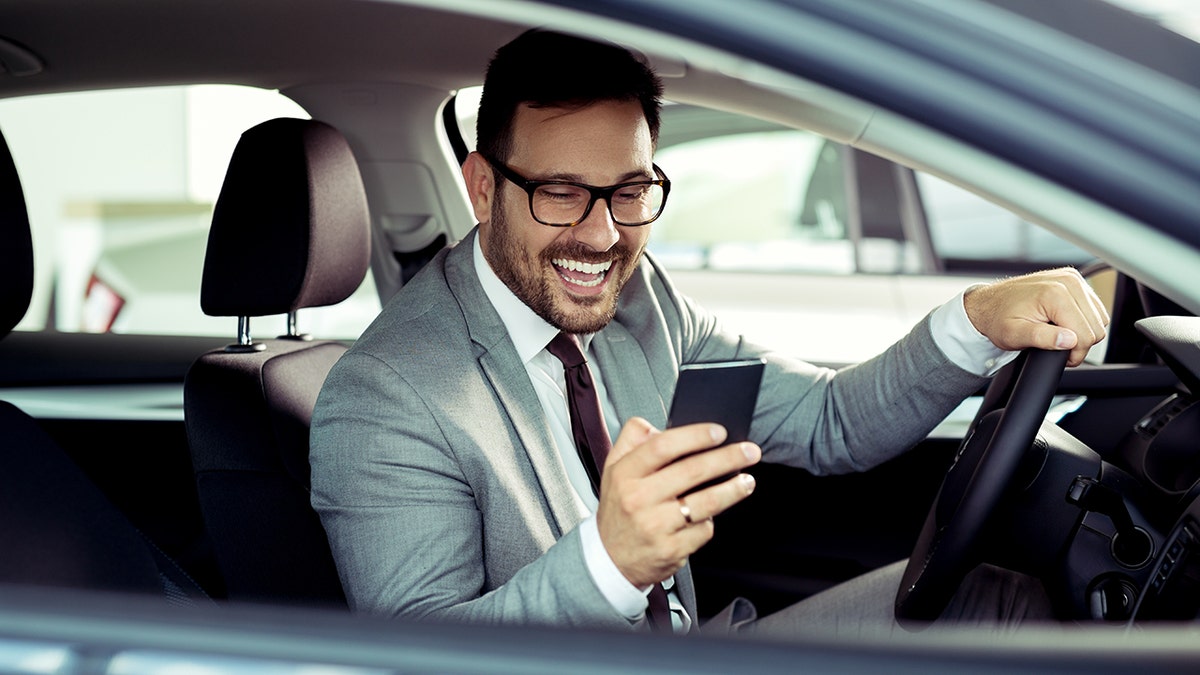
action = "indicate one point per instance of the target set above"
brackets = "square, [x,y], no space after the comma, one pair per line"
[502,367]
[627,376]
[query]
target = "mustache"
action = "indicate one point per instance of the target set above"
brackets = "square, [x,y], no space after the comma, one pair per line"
[576,251]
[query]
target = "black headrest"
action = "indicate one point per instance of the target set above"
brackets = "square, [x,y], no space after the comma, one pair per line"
[16,245]
[291,227]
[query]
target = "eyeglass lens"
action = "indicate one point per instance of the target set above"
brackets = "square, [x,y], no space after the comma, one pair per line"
[629,205]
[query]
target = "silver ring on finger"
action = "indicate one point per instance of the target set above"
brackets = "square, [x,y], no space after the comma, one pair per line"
[685,511]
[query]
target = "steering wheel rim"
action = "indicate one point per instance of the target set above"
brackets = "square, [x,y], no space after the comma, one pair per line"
[983,468]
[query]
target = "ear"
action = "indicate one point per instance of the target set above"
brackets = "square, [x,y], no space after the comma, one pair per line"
[477,175]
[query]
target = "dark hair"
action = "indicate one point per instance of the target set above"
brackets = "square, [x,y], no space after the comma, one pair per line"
[547,69]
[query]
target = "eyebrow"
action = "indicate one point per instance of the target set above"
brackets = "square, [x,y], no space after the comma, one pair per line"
[632,176]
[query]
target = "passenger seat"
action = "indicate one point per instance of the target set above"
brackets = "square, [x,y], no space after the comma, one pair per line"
[290,230]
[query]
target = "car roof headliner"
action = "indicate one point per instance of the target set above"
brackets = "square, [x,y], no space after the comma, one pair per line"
[274,44]
[284,44]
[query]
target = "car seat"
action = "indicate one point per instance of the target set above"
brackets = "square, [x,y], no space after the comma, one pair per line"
[57,526]
[290,230]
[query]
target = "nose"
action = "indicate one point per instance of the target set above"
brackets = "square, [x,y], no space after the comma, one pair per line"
[598,231]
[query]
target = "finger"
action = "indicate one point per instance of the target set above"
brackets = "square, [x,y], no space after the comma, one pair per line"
[1098,316]
[690,534]
[706,504]
[682,541]
[1100,308]
[1055,338]
[635,432]
[649,453]
[683,475]
[688,540]
[1090,306]
[1079,323]
[1087,298]
[1091,309]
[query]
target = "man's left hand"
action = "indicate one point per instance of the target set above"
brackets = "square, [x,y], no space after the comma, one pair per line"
[1054,309]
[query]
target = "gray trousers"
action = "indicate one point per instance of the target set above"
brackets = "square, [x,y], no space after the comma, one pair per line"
[990,597]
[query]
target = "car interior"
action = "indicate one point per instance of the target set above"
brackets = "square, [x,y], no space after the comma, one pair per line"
[1091,476]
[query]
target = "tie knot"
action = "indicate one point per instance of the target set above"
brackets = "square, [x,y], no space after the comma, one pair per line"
[565,349]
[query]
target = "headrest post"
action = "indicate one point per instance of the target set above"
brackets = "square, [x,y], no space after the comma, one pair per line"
[244,342]
[293,333]
[243,334]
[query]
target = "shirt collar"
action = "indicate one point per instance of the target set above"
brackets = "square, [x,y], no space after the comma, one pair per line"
[529,332]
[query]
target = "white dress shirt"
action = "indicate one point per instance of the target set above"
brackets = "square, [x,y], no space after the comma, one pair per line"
[952,331]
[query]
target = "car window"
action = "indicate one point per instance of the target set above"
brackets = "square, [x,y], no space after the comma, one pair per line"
[763,200]
[974,234]
[756,196]
[120,187]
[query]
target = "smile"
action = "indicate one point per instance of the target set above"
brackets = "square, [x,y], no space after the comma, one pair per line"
[583,274]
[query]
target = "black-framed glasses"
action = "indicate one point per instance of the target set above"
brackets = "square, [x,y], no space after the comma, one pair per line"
[559,203]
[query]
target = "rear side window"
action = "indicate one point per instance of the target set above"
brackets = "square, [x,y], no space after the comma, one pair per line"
[120,187]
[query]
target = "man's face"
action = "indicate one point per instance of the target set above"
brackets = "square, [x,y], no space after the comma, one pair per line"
[570,276]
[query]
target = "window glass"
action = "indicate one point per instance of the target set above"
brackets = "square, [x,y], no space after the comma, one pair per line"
[966,228]
[466,109]
[754,196]
[761,200]
[120,187]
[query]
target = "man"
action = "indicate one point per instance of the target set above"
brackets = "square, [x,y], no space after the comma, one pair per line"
[444,462]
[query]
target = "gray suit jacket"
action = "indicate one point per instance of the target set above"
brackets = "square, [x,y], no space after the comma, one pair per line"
[436,478]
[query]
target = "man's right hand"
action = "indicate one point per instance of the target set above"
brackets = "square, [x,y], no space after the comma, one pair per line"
[641,517]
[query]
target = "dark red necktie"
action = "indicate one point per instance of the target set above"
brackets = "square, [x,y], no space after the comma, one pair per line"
[593,443]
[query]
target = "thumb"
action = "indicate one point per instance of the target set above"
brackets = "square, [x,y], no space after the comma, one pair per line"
[635,432]
[1056,338]
[1053,338]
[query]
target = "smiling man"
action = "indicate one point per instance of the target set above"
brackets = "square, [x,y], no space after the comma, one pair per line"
[463,454]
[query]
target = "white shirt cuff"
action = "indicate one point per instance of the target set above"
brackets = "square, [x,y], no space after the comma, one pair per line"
[626,598]
[965,346]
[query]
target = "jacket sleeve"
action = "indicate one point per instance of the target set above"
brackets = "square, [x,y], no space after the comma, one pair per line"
[821,419]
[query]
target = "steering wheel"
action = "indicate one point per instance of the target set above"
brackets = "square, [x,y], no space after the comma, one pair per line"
[1014,407]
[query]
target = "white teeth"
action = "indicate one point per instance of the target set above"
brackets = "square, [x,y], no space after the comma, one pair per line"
[586,284]
[586,268]
[599,269]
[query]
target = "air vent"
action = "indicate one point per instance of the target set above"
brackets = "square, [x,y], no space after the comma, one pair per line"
[1149,426]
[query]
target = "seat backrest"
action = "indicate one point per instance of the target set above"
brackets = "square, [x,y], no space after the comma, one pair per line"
[58,528]
[290,230]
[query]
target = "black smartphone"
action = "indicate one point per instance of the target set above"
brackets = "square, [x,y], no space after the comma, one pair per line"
[723,392]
